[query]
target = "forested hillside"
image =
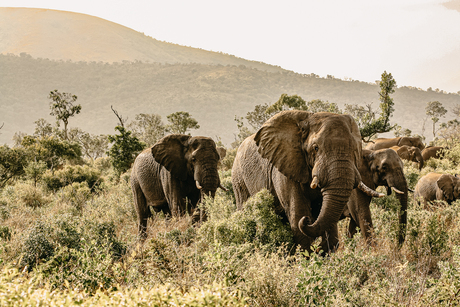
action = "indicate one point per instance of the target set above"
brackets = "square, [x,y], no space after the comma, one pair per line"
[212,94]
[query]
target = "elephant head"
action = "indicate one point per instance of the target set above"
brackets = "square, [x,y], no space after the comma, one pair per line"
[410,153]
[322,150]
[411,141]
[387,170]
[448,188]
[187,157]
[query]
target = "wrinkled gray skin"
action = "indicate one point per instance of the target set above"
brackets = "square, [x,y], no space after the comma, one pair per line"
[435,186]
[285,154]
[172,170]
[410,153]
[432,152]
[380,143]
[382,167]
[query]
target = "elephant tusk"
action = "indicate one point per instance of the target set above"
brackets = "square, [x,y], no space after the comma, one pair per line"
[198,185]
[220,186]
[314,183]
[369,191]
[396,190]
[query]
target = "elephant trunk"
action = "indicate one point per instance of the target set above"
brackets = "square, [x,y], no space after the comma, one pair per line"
[342,176]
[330,214]
[420,161]
[400,187]
[207,179]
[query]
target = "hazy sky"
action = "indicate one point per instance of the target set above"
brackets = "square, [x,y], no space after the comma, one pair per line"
[418,41]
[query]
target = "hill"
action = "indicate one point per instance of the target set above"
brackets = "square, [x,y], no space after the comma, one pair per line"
[213,94]
[60,35]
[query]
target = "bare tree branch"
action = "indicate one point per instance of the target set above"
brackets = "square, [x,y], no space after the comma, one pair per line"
[120,118]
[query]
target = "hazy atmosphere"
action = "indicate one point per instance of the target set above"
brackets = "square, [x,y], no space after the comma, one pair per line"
[418,41]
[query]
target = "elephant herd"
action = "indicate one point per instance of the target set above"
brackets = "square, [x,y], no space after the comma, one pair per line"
[312,163]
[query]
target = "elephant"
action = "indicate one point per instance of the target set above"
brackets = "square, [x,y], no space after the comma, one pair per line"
[176,168]
[432,152]
[380,143]
[436,186]
[309,163]
[382,167]
[410,153]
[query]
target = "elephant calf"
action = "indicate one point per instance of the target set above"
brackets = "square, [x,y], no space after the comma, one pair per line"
[410,153]
[435,186]
[172,176]
[378,168]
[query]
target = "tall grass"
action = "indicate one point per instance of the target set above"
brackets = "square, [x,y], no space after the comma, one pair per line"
[80,246]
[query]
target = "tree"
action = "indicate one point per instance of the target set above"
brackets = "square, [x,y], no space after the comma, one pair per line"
[52,150]
[12,163]
[42,128]
[149,128]
[435,110]
[368,124]
[125,147]
[180,122]
[62,106]
[93,146]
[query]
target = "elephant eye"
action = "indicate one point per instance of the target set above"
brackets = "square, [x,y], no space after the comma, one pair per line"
[315,147]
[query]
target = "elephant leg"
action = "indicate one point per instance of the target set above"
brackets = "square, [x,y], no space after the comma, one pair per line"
[142,210]
[365,224]
[352,228]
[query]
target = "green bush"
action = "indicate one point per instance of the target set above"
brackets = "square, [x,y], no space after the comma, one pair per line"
[257,223]
[75,194]
[37,247]
[70,174]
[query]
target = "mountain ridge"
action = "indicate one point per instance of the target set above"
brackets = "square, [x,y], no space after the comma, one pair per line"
[62,35]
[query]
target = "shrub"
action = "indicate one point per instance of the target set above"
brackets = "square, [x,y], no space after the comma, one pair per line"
[5,233]
[37,246]
[31,196]
[70,174]
[75,194]
[257,223]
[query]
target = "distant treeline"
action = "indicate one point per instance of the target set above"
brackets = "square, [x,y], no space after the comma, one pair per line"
[212,94]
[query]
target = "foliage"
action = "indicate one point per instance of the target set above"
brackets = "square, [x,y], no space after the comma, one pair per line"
[149,128]
[435,110]
[256,224]
[51,150]
[12,163]
[35,170]
[124,149]
[73,174]
[372,125]
[62,106]
[181,122]
[93,146]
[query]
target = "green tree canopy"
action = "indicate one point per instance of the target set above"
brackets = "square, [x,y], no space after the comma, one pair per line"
[435,110]
[125,148]
[149,128]
[181,122]
[62,106]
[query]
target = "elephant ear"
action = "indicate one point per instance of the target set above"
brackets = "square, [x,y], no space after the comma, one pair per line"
[170,153]
[446,184]
[280,141]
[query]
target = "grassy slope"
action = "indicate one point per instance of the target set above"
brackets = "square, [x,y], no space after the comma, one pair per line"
[213,94]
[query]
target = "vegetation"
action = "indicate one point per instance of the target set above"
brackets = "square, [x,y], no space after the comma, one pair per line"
[68,231]
[62,106]
[212,94]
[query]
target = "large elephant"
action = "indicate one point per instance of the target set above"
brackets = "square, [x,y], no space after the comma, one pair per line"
[176,169]
[380,143]
[432,152]
[308,161]
[410,153]
[382,167]
[436,186]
